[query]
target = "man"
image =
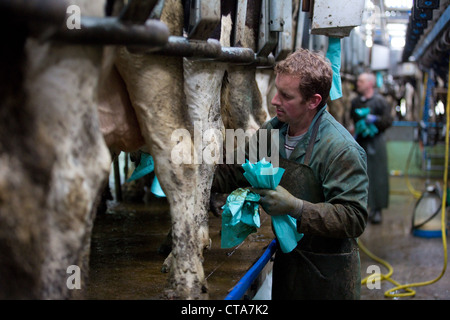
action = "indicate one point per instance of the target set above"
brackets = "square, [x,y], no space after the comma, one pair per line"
[370,109]
[324,186]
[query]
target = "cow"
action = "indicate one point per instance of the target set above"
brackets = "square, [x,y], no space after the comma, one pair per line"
[61,116]
[53,160]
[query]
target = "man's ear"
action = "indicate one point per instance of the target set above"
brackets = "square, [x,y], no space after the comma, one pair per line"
[314,101]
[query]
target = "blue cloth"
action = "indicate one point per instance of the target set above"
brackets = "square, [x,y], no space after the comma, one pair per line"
[261,175]
[146,166]
[334,55]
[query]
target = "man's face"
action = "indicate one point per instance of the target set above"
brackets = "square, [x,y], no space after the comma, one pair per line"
[289,103]
[362,84]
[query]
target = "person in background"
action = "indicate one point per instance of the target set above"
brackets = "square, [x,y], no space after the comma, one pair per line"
[372,116]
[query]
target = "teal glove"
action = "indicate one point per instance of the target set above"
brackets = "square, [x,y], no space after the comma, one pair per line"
[264,176]
[286,211]
[279,202]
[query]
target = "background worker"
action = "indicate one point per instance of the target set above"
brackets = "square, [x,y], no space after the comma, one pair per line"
[370,110]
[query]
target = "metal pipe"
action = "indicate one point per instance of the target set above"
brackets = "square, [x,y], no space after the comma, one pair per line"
[247,280]
[110,31]
[440,25]
[276,12]
[181,46]
[48,11]
[211,50]
[151,37]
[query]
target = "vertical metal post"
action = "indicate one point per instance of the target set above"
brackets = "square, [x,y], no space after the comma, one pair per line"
[117,182]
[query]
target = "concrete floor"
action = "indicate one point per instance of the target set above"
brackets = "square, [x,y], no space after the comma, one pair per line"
[414,259]
[125,263]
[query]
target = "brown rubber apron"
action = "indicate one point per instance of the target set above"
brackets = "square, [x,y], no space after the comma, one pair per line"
[319,267]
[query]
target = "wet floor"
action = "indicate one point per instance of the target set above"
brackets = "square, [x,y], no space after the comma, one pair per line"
[414,259]
[125,263]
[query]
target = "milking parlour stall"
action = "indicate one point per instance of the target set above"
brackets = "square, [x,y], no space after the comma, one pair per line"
[115,117]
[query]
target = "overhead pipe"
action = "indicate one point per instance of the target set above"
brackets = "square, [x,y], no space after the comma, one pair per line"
[151,37]
[212,50]
[441,24]
[48,11]
[110,31]
[438,50]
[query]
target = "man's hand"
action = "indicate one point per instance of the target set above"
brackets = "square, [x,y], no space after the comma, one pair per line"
[279,202]
[371,118]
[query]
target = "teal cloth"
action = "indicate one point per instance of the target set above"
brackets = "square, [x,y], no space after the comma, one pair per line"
[362,128]
[146,166]
[379,78]
[156,188]
[240,217]
[263,175]
[334,55]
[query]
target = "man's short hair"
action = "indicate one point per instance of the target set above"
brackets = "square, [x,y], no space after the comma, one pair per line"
[370,77]
[314,71]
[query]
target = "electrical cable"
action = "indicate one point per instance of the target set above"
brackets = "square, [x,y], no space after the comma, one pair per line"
[407,287]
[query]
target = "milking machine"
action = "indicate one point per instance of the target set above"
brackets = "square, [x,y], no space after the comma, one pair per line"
[426,222]
[425,218]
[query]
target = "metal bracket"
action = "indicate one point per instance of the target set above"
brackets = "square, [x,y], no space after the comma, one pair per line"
[137,11]
[204,16]
[271,24]
[285,40]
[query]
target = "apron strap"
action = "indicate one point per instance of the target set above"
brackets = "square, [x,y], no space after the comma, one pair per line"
[312,141]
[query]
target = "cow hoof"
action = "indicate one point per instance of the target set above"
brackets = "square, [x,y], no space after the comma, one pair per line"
[167,264]
[209,245]
[216,201]
[164,249]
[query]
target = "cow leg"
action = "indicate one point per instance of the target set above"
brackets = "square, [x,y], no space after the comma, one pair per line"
[155,85]
[156,92]
[241,98]
[202,87]
[53,161]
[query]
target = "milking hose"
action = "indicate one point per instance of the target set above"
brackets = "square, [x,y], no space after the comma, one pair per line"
[407,287]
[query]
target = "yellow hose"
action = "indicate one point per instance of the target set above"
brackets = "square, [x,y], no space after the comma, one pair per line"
[407,287]
[416,194]
[380,277]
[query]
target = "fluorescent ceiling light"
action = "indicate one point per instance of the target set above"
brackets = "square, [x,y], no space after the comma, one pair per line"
[396,29]
[398,4]
[397,42]
[396,26]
